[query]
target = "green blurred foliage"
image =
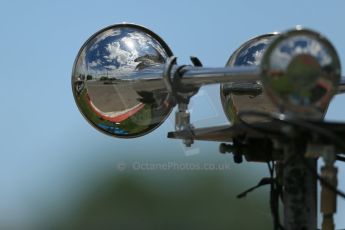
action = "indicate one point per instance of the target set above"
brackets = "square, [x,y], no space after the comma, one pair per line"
[179,201]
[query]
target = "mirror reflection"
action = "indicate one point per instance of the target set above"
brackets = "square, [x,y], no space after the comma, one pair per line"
[116,81]
[237,97]
[301,72]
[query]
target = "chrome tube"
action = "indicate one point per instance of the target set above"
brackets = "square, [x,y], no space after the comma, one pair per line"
[150,79]
[198,76]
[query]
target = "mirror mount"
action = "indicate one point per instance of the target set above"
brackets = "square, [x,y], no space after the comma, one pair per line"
[180,94]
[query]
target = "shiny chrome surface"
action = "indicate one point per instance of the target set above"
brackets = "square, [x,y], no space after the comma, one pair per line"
[247,95]
[198,76]
[301,73]
[117,80]
[341,88]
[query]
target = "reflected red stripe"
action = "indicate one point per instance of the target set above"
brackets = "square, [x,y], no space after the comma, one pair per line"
[118,118]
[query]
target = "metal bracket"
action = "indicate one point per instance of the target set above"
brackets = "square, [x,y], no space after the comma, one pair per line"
[328,197]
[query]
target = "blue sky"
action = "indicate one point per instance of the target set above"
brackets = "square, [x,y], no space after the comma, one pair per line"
[47,146]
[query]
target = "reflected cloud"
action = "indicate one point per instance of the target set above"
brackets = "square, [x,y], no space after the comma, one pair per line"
[251,54]
[290,48]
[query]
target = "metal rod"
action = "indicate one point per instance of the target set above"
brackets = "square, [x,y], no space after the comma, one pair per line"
[151,78]
[328,197]
[198,76]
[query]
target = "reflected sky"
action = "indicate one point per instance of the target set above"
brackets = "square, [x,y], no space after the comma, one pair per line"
[281,56]
[116,51]
[251,54]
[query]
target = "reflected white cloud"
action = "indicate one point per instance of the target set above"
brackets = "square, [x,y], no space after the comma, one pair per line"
[94,63]
[116,52]
[252,53]
[292,47]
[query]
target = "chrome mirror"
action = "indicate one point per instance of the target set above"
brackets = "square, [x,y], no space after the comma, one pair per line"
[300,71]
[112,82]
[246,95]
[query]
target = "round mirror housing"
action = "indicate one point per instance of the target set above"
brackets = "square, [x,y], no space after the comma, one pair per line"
[243,96]
[111,83]
[300,73]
